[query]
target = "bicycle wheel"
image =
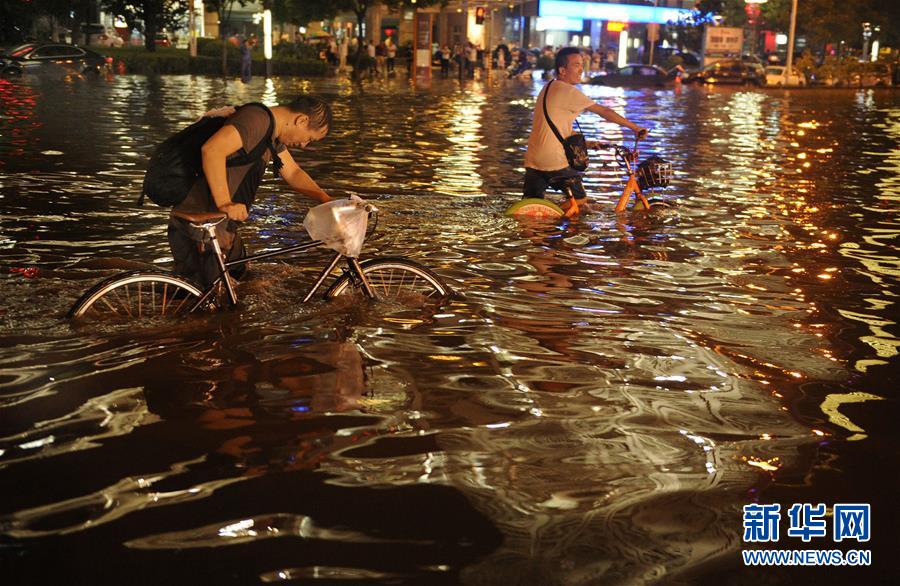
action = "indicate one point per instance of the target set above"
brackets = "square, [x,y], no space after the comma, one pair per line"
[396,280]
[533,207]
[136,295]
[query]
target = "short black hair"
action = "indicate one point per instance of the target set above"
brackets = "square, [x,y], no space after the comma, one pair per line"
[562,58]
[318,110]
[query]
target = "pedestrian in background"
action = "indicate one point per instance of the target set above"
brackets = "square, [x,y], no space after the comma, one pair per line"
[391,49]
[445,61]
[342,55]
[373,63]
[380,54]
[246,60]
[471,61]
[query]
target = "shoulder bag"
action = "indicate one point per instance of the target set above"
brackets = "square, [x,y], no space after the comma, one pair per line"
[575,145]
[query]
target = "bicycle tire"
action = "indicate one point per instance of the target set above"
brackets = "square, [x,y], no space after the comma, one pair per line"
[136,295]
[534,207]
[394,279]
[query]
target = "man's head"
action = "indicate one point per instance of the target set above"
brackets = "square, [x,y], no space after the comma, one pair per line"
[310,121]
[569,67]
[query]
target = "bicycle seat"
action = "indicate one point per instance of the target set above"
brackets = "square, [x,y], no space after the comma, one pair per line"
[200,218]
[564,184]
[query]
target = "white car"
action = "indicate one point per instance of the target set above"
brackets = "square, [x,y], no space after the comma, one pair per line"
[775,76]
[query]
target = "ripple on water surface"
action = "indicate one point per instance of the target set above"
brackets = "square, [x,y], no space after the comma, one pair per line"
[595,405]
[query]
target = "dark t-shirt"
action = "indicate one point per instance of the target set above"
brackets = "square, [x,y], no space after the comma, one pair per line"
[252,123]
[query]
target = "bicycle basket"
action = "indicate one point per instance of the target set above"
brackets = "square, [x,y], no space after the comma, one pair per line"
[654,172]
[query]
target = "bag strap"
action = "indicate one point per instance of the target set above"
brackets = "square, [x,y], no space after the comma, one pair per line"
[549,121]
[264,143]
[547,116]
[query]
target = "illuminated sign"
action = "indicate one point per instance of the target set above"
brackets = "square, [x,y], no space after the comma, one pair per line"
[558,23]
[616,12]
[615,27]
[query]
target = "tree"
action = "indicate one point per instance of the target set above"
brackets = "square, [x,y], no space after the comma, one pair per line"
[126,10]
[224,8]
[820,21]
[148,16]
[19,18]
[689,30]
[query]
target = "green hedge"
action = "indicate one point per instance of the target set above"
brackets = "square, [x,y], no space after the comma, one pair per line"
[167,60]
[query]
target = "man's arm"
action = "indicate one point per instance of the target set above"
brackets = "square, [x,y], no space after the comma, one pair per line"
[612,116]
[225,141]
[299,180]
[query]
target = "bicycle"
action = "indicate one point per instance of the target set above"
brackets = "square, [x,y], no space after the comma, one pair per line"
[147,294]
[654,172]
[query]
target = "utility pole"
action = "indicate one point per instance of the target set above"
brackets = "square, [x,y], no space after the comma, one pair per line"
[652,34]
[790,55]
[193,28]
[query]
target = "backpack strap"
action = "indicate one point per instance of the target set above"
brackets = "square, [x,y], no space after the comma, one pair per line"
[265,143]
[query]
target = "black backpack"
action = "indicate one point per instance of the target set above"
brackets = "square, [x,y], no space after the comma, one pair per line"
[176,163]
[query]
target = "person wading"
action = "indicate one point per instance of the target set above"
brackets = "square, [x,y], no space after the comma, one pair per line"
[232,189]
[545,158]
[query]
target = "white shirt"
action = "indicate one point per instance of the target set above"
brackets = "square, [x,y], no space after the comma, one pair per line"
[564,104]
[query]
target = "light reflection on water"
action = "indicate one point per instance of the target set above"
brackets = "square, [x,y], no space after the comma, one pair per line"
[596,406]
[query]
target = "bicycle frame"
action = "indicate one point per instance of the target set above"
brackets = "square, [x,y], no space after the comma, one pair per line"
[627,159]
[210,228]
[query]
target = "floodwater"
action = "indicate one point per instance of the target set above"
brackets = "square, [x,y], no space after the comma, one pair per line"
[594,406]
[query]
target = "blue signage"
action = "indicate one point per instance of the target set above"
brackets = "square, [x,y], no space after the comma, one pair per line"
[614,12]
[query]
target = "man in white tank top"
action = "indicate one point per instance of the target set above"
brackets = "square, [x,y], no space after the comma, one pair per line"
[545,158]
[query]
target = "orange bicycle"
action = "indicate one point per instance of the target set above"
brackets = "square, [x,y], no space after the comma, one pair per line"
[654,172]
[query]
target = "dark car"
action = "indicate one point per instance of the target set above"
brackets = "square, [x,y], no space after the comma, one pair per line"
[37,57]
[690,61]
[636,76]
[732,71]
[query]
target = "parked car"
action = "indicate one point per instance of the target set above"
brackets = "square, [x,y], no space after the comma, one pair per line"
[109,39]
[690,61]
[775,76]
[36,57]
[635,75]
[163,40]
[732,71]
[99,35]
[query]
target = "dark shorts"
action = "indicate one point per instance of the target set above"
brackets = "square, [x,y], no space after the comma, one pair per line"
[194,256]
[537,182]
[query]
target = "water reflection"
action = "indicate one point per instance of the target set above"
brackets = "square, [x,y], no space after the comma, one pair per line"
[596,406]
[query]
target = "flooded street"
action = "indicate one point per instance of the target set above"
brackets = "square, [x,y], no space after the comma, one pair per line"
[595,405]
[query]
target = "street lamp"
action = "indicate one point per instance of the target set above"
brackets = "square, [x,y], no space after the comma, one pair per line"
[875,44]
[867,34]
[267,40]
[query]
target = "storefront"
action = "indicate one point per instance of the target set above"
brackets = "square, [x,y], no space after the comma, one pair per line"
[621,28]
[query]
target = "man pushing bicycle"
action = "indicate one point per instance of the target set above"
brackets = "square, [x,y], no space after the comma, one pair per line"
[558,105]
[233,160]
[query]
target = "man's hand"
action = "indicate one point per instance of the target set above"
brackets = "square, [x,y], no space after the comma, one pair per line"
[640,133]
[234,211]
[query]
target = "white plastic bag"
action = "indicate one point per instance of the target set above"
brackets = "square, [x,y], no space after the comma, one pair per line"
[340,224]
